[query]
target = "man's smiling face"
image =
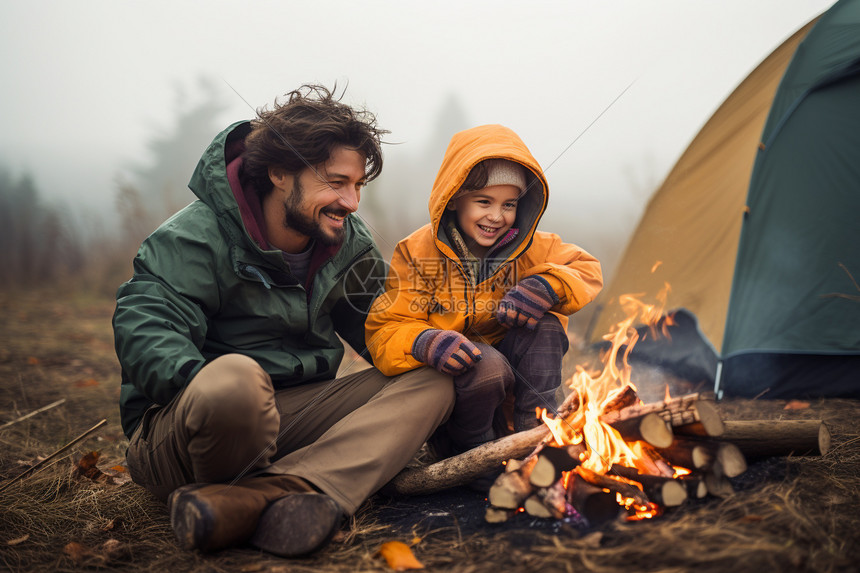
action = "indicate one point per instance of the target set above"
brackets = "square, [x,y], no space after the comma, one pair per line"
[320,199]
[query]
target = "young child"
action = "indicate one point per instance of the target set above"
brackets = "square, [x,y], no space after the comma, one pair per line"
[479,293]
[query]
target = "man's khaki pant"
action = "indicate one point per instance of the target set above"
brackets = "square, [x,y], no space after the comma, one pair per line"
[348,436]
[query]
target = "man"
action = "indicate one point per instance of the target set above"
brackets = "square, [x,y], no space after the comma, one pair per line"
[227,335]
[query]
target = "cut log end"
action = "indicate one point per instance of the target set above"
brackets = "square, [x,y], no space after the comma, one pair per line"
[656,431]
[823,439]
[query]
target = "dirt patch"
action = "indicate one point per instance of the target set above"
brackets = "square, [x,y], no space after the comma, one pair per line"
[787,514]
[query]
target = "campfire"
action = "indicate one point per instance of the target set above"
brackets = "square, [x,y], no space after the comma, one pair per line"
[607,452]
[604,454]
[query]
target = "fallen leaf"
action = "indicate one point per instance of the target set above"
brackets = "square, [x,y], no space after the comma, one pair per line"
[18,540]
[86,382]
[116,475]
[796,405]
[32,360]
[81,554]
[398,556]
[87,466]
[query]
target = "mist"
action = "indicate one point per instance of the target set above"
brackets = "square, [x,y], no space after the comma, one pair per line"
[104,97]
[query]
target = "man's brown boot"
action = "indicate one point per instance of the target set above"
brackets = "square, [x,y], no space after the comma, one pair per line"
[209,517]
[297,524]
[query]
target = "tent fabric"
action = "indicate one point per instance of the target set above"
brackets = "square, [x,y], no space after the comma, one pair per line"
[691,226]
[757,227]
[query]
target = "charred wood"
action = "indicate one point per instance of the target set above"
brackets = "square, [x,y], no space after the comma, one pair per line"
[627,397]
[665,491]
[625,489]
[595,504]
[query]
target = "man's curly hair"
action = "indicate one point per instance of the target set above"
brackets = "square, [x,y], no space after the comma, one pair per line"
[303,132]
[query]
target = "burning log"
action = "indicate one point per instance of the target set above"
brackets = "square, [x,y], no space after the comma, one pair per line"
[552,461]
[665,491]
[627,397]
[760,438]
[648,427]
[626,490]
[652,462]
[596,504]
[464,468]
[687,415]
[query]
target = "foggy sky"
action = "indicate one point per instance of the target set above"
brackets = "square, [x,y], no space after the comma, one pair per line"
[87,84]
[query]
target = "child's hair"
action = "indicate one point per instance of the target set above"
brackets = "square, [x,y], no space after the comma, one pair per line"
[477,177]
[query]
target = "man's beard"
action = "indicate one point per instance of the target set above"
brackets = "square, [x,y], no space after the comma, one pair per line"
[296,220]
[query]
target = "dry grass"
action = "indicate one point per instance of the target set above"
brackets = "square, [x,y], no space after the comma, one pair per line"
[788,514]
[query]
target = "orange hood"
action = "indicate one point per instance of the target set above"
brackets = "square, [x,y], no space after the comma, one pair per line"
[467,149]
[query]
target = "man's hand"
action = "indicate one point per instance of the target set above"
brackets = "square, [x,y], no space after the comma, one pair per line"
[447,351]
[526,303]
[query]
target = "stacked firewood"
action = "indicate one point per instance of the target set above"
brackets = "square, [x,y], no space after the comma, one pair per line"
[547,480]
[690,452]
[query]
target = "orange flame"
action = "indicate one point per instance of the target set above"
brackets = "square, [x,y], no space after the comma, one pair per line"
[605,446]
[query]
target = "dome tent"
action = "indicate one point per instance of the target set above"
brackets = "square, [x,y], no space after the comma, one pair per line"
[757,227]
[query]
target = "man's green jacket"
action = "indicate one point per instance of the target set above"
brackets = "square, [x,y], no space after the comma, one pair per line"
[202,288]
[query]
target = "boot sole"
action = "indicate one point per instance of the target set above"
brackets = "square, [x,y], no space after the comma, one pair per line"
[297,524]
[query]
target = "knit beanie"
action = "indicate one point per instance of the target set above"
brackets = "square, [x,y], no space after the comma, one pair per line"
[501,172]
[504,172]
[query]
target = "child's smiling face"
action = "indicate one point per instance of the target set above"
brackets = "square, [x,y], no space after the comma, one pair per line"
[486,215]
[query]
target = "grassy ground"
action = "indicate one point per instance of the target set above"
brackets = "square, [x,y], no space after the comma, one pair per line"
[788,514]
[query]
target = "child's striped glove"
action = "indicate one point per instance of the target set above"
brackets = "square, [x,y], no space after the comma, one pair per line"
[526,303]
[447,351]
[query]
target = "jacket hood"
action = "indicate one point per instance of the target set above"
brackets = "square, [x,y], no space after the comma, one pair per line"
[211,182]
[467,149]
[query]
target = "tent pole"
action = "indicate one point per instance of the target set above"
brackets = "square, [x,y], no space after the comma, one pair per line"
[718,393]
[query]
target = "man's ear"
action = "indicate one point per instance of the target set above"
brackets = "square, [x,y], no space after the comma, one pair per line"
[279,177]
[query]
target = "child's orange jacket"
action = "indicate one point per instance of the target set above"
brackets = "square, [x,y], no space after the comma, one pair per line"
[428,285]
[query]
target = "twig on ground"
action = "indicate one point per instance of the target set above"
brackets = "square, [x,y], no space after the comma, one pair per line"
[33,413]
[42,463]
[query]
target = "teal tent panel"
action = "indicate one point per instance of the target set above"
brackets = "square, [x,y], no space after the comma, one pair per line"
[800,244]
